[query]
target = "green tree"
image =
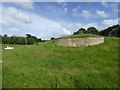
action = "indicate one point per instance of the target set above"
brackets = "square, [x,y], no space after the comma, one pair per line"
[30,41]
[111,31]
[1,39]
[92,30]
[5,39]
[80,31]
[20,40]
[52,38]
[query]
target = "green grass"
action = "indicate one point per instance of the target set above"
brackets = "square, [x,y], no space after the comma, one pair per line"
[79,36]
[50,66]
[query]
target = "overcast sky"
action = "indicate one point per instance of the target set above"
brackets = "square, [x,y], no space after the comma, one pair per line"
[55,19]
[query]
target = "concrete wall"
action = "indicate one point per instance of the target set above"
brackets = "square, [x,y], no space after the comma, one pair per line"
[80,41]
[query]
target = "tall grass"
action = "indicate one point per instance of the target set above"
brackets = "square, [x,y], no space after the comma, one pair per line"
[50,66]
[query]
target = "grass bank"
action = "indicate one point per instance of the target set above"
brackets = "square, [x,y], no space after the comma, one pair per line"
[50,66]
[79,36]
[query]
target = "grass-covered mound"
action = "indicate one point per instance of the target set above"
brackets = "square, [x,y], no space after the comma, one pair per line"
[79,36]
[51,66]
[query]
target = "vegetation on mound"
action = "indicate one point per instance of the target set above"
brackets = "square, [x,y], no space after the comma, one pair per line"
[113,31]
[80,36]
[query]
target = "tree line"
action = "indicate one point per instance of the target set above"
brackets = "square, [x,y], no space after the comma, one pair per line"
[29,39]
[90,30]
[110,31]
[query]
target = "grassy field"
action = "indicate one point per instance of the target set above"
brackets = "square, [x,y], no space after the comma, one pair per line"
[50,66]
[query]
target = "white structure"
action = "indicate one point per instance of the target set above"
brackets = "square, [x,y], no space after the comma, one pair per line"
[8,47]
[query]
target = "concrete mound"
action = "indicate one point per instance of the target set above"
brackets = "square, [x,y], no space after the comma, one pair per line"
[75,42]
